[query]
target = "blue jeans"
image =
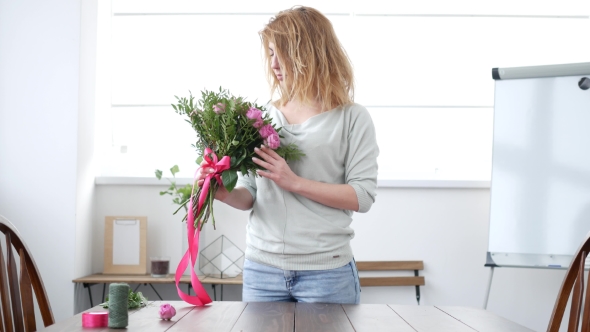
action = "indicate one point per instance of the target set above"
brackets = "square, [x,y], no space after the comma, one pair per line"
[263,283]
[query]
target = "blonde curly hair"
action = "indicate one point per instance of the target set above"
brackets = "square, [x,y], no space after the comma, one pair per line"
[315,65]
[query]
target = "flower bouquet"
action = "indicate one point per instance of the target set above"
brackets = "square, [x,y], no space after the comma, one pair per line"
[228,130]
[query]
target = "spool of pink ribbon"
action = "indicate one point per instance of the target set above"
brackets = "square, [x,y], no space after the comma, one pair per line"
[95,319]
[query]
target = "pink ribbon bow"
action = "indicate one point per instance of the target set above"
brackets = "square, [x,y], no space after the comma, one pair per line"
[218,168]
[201,298]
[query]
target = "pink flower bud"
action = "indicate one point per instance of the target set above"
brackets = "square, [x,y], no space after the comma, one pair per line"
[167,311]
[273,141]
[219,108]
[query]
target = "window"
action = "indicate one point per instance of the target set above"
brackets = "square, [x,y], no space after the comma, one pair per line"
[423,70]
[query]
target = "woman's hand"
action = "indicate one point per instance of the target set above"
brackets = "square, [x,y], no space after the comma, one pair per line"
[277,169]
[221,193]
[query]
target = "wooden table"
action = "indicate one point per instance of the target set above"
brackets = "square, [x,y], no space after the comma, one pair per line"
[146,279]
[304,317]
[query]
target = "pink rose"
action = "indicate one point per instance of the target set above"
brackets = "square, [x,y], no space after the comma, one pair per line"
[266,131]
[273,141]
[167,311]
[255,114]
[219,108]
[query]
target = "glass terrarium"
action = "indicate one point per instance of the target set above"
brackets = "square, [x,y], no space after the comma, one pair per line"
[221,259]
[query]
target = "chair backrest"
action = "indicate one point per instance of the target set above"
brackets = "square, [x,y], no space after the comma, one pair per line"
[574,278]
[415,266]
[16,287]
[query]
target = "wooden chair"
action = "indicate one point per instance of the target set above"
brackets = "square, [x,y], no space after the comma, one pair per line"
[416,280]
[16,287]
[574,278]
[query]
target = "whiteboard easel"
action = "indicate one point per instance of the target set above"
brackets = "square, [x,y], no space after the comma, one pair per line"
[540,188]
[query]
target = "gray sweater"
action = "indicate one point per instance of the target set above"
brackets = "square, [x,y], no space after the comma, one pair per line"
[291,232]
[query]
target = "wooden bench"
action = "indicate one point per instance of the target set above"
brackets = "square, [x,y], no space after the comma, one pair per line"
[416,280]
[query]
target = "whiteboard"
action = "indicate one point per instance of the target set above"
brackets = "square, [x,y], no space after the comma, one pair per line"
[540,187]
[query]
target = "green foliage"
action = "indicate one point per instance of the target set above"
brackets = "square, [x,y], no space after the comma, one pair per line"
[221,123]
[180,195]
[136,300]
[230,133]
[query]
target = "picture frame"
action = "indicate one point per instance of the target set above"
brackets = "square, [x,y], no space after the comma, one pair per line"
[125,242]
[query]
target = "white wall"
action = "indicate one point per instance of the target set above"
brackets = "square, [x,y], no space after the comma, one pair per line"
[85,152]
[446,228]
[45,136]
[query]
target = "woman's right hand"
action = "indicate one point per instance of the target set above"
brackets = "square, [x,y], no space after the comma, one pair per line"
[205,170]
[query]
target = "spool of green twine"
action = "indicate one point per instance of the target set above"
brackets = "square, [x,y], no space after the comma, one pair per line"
[118,302]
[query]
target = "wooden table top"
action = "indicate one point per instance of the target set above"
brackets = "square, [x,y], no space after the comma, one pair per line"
[303,317]
[148,279]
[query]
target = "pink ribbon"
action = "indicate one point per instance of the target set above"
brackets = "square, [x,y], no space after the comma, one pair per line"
[201,298]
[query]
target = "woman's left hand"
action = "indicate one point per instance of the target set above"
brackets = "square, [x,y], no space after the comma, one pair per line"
[277,168]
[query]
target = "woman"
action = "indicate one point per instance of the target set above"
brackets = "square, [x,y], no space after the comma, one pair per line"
[298,234]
